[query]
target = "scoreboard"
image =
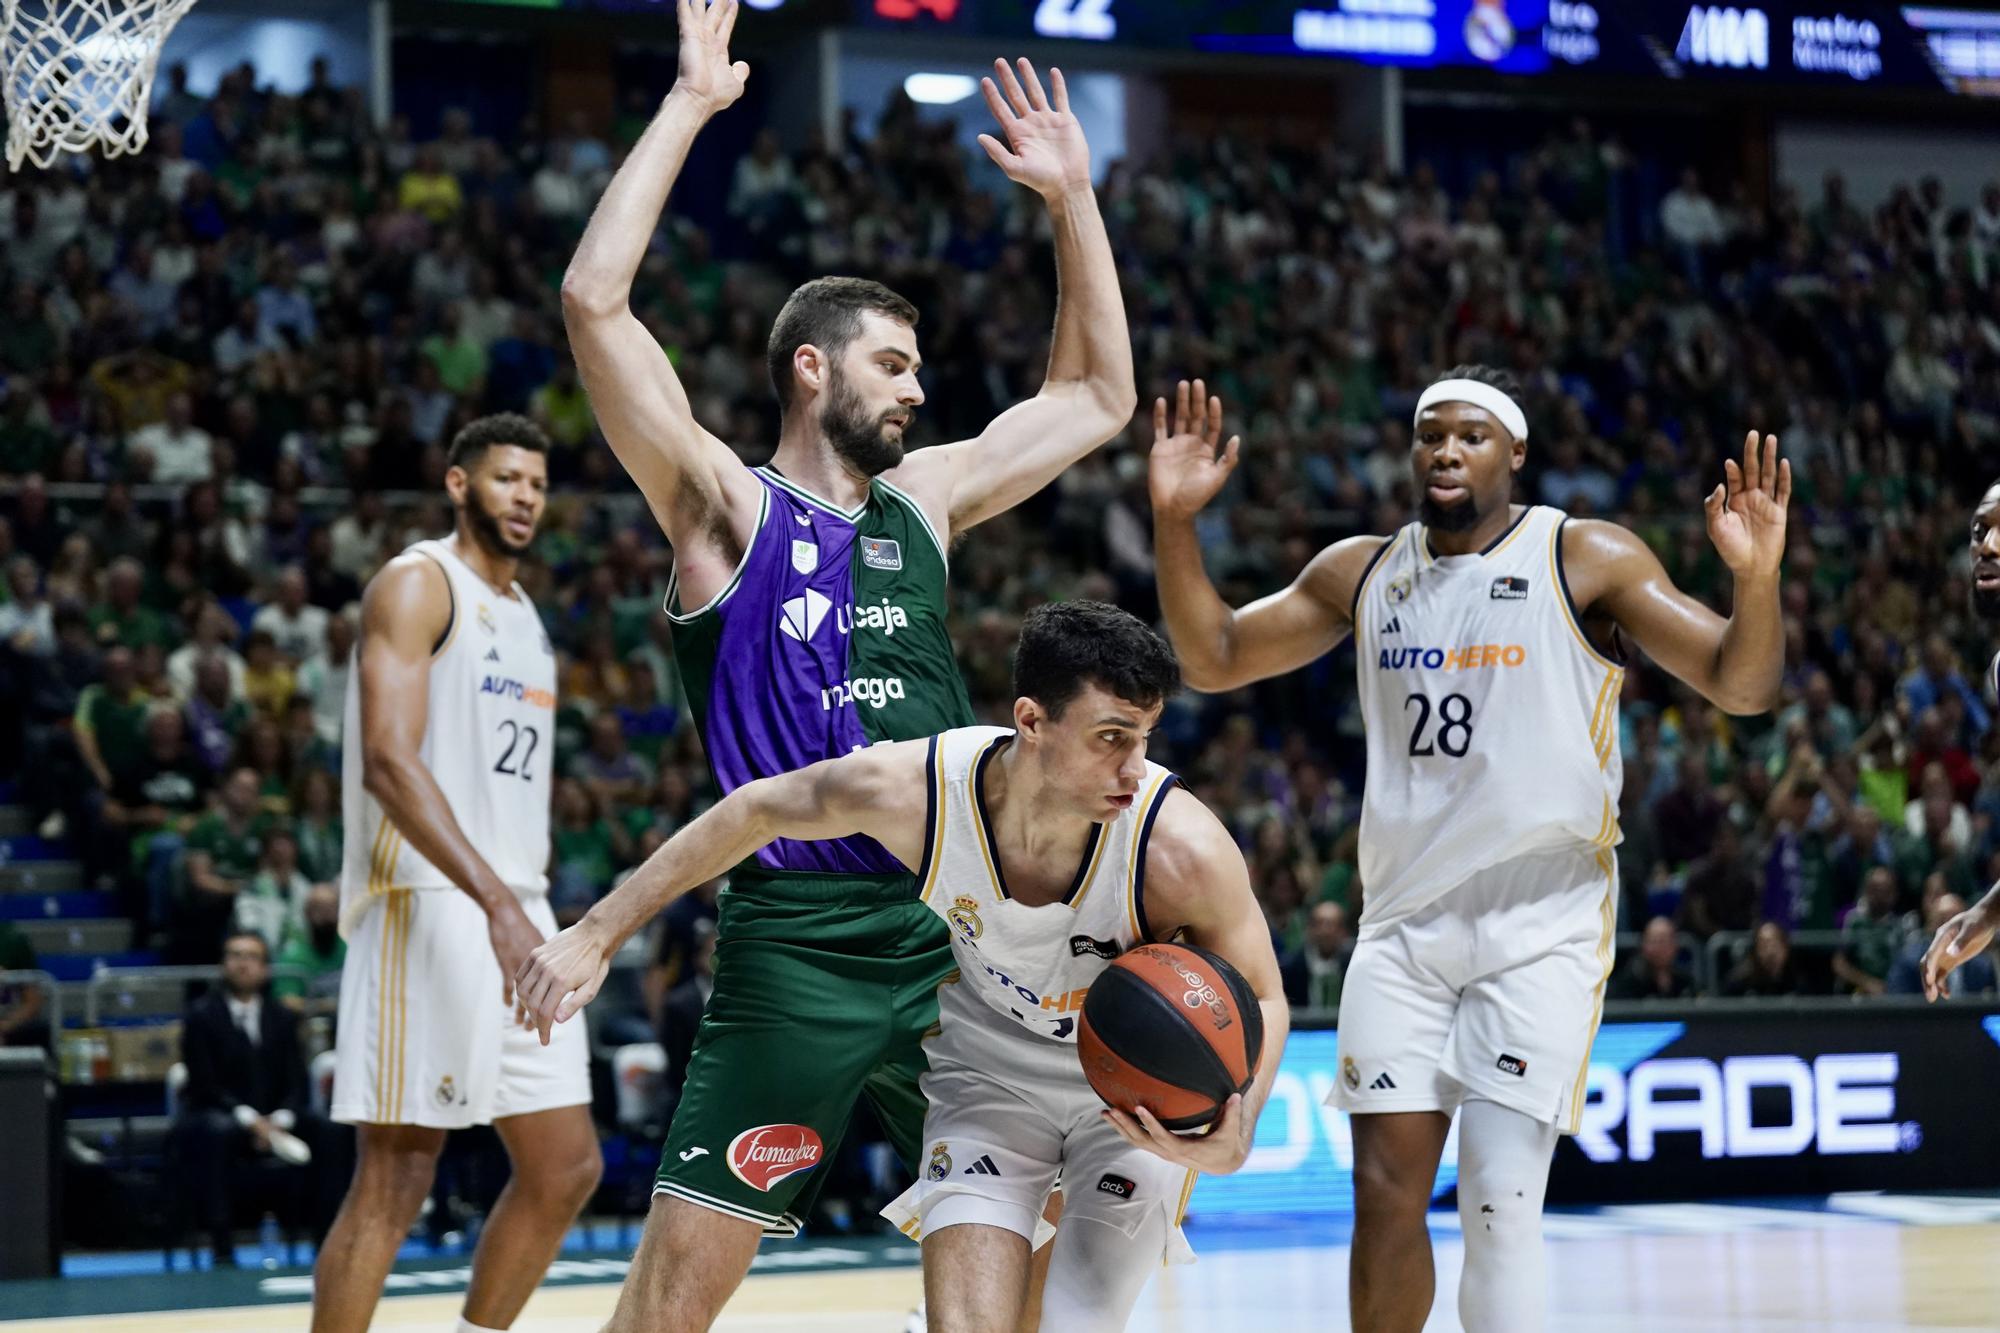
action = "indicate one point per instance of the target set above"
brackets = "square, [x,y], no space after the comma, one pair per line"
[1830,43]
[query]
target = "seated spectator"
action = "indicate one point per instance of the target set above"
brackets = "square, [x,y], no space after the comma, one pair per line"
[647,722]
[214,633]
[1718,893]
[680,1015]
[268,682]
[1656,973]
[157,801]
[246,1087]
[27,618]
[587,847]
[315,947]
[224,849]
[616,776]
[216,717]
[273,903]
[317,825]
[1871,936]
[21,1022]
[1975,976]
[323,677]
[175,451]
[1769,969]
[123,616]
[1314,975]
[296,626]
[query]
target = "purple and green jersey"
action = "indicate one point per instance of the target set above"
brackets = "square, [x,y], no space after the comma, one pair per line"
[829,637]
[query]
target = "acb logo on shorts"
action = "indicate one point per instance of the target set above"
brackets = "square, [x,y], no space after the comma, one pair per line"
[763,1156]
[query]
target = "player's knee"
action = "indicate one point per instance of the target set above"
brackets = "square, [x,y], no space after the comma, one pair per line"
[404,1171]
[1386,1181]
[1496,1214]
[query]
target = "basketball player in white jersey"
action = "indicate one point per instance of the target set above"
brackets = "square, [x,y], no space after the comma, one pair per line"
[447,748]
[1968,934]
[1049,849]
[1488,644]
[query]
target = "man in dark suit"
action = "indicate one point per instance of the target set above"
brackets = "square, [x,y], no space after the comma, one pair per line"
[246,1088]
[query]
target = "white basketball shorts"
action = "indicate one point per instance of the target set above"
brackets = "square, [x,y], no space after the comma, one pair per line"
[1494,991]
[425,1036]
[1011,1112]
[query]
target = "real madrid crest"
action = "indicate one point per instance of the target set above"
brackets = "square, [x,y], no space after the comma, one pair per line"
[1399,588]
[486,619]
[964,914]
[940,1166]
[1350,1073]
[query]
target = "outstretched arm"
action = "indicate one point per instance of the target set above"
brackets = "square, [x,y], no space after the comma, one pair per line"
[1738,663]
[684,472]
[1199,889]
[870,791]
[1222,648]
[1088,396]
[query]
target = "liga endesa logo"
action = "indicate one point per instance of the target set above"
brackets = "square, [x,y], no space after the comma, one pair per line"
[763,1156]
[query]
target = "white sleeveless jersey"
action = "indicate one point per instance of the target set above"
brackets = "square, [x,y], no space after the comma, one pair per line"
[1029,966]
[1492,720]
[489,742]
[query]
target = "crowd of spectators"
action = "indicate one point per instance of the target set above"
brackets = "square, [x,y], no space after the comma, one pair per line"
[230,367]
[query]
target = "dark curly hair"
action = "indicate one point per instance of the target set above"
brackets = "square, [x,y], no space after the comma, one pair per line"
[826,313]
[471,443]
[1493,376]
[1066,646]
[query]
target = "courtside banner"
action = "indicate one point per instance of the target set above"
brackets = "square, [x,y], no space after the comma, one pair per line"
[1695,1102]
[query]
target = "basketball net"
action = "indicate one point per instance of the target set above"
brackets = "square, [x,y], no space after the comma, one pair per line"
[78,74]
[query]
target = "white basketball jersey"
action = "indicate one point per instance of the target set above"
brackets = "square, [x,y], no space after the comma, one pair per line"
[1029,965]
[489,742]
[1492,720]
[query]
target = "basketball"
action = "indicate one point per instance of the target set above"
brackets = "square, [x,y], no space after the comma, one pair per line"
[1171,1028]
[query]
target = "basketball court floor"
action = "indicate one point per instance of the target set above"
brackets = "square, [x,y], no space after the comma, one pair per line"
[1850,1264]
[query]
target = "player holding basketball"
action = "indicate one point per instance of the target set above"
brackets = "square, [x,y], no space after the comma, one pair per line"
[446,755]
[1489,671]
[1968,934]
[1050,849]
[809,620]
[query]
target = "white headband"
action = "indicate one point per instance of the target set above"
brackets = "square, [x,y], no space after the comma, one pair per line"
[1504,409]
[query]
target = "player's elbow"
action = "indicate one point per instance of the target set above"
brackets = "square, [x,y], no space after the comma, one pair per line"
[381,772]
[586,296]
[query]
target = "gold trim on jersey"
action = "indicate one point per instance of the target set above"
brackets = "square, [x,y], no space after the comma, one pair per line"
[942,809]
[976,802]
[1561,588]
[1604,717]
[1133,866]
[1187,1189]
[1606,952]
[1090,870]
[1374,570]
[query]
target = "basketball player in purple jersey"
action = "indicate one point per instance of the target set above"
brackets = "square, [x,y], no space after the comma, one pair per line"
[809,621]
[1968,934]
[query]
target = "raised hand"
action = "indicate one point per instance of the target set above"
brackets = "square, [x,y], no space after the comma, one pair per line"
[1746,514]
[1185,471]
[706,72]
[1044,149]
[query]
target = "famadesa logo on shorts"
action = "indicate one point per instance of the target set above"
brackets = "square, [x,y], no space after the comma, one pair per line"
[763,1156]
[1470,657]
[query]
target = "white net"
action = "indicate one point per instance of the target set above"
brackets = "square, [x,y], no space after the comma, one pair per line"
[78,73]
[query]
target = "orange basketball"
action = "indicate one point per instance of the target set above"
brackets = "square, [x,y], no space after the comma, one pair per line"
[1171,1028]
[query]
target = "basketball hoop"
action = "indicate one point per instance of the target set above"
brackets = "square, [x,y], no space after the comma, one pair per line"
[78,74]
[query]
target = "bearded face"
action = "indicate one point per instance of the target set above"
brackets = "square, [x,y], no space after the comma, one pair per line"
[870,443]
